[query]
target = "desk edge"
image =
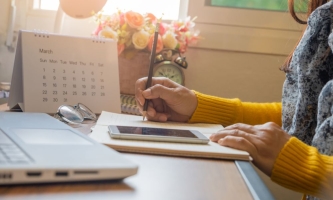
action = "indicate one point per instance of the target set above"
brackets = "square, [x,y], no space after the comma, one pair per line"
[256,186]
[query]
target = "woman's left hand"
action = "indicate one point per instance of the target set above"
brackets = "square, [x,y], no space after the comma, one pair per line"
[263,142]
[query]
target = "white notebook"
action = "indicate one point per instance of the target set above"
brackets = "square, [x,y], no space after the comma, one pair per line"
[211,150]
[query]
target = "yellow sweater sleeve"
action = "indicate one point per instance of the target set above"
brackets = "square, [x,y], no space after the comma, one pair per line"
[224,111]
[302,168]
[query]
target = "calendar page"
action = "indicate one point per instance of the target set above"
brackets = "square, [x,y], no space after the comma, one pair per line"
[58,69]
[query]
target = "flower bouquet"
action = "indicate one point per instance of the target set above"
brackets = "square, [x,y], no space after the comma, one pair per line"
[134,32]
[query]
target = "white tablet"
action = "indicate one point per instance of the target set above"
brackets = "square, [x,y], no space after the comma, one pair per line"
[157,134]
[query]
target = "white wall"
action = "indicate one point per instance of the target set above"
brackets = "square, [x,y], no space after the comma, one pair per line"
[7,54]
[250,77]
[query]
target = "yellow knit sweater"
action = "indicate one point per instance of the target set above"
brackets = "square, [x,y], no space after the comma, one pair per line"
[298,167]
[217,110]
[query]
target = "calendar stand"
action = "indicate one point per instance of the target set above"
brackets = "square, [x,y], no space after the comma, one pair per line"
[51,70]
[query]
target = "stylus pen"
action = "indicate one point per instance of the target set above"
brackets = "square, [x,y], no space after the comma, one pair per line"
[151,66]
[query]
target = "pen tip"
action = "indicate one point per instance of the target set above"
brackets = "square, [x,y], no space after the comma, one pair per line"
[143,116]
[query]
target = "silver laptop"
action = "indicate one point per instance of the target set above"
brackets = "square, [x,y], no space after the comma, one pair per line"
[35,147]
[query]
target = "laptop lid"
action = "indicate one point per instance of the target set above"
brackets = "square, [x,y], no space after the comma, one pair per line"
[35,147]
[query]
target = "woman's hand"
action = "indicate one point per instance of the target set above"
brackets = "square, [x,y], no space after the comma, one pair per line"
[169,101]
[263,142]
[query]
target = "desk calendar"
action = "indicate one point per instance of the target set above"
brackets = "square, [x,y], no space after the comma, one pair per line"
[51,70]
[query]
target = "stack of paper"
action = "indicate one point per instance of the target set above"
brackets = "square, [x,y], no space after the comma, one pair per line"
[211,150]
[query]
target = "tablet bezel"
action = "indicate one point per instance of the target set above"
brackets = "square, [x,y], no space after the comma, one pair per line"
[200,138]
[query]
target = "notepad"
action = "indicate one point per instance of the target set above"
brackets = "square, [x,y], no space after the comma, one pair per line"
[211,150]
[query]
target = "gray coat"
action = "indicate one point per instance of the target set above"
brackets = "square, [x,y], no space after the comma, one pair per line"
[307,102]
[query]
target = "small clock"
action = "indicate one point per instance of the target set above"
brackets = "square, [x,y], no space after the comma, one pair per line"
[165,67]
[169,70]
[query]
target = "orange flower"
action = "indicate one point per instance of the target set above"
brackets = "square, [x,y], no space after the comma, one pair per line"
[151,17]
[134,19]
[159,46]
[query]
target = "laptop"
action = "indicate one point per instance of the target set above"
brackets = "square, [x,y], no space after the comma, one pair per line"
[36,148]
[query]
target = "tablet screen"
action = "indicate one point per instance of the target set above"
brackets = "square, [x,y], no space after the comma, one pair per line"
[156,131]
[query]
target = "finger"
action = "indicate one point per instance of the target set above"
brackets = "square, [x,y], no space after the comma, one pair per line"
[158,117]
[158,105]
[164,81]
[140,85]
[160,86]
[140,100]
[242,127]
[159,91]
[153,115]
[239,143]
[232,132]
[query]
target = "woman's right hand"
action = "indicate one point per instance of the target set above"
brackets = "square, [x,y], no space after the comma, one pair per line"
[169,101]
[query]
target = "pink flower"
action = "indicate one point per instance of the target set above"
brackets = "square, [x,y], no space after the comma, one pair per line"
[159,46]
[113,21]
[163,28]
[182,47]
[121,19]
[193,38]
[97,30]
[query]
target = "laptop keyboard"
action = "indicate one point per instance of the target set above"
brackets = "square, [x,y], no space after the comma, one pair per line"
[10,152]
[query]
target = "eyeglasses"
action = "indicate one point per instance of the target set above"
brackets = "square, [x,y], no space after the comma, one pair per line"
[74,114]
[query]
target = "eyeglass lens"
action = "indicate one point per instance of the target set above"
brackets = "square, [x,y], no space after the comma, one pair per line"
[86,112]
[70,114]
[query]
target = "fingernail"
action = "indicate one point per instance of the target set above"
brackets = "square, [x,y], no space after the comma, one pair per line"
[163,118]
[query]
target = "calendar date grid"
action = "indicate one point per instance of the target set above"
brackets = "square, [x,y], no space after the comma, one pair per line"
[71,80]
